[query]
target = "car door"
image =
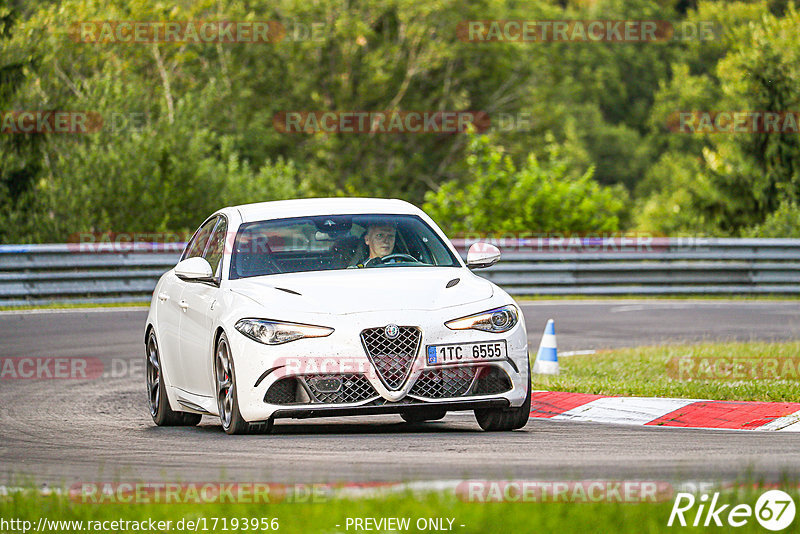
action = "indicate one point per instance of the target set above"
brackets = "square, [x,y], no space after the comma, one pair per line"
[196,327]
[170,310]
[169,316]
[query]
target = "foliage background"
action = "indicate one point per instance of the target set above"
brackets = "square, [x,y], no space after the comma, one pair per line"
[189,126]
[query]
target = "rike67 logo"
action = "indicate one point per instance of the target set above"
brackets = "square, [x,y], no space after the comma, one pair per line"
[774,510]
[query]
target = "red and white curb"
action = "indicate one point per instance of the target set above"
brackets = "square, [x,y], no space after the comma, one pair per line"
[653,411]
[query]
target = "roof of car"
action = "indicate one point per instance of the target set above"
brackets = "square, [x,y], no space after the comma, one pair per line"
[280,209]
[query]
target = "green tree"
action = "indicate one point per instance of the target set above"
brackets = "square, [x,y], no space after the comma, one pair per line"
[19,155]
[783,222]
[727,182]
[543,195]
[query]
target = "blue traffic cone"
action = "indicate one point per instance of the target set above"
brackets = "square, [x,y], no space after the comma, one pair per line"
[547,358]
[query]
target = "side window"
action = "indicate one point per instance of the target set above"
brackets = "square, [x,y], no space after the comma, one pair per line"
[216,246]
[197,245]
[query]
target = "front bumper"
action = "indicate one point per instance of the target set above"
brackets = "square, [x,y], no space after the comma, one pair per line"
[389,408]
[260,368]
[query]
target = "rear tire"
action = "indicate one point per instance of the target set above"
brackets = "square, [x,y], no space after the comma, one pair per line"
[158,400]
[227,399]
[505,419]
[420,416]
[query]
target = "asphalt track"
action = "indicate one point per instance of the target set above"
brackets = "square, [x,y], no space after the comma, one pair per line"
[67,431]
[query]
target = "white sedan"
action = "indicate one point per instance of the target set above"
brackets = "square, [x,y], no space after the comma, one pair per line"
[332,307]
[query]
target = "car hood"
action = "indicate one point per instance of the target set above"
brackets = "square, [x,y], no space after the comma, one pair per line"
[365,290]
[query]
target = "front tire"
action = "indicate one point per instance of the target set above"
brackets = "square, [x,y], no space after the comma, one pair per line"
[227,399]
[157,399]
[505,419]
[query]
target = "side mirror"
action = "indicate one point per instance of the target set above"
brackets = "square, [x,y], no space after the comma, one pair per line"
[481,255]
[194,270]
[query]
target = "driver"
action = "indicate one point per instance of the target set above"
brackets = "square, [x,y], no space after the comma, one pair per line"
[380,239]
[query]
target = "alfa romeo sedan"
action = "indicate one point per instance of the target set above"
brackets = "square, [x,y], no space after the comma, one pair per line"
[332,307]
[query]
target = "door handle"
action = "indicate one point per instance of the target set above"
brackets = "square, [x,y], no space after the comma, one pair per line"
[184,305]
[163,297]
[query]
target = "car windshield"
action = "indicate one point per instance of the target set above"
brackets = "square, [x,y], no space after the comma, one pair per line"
[333,242]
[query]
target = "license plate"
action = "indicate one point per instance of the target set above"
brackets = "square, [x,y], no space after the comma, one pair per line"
[466,352]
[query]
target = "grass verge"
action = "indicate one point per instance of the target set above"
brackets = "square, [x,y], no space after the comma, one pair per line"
[719,371]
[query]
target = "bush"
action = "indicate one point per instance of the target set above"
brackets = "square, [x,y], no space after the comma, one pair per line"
[539,196]
[783,222]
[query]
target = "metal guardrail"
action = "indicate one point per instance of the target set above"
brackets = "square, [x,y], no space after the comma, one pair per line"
[34,274]
[37,274]
[647,266]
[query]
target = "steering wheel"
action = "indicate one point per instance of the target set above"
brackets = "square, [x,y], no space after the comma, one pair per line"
[390,258]
[395,257]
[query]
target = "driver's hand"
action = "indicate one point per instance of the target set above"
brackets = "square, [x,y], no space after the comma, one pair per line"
[369,262]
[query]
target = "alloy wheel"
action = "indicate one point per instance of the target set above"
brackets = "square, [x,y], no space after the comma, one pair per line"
[153,375]
[224,383]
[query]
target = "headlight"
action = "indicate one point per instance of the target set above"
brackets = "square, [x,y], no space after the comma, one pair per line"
[275,333]
[497,320]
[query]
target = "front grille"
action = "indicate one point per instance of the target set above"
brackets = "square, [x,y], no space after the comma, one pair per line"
[392,358]
[491,380]
[444,383]
[353,388]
